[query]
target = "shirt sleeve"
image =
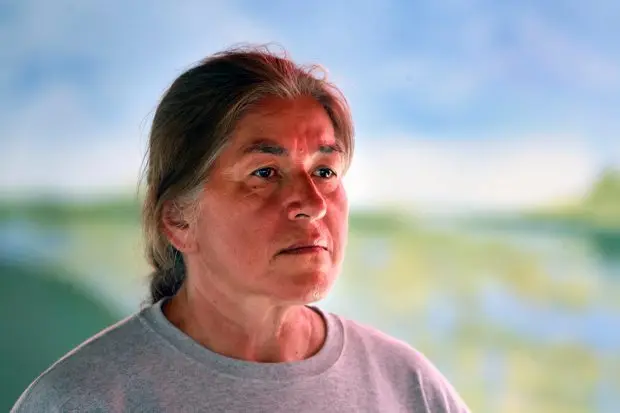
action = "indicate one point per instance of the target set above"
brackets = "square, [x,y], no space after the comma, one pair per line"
[437,394]
[38,397]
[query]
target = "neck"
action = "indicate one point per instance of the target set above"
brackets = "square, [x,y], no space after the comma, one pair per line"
[252,329]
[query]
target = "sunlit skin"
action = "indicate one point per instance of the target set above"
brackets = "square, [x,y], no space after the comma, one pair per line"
[276,185]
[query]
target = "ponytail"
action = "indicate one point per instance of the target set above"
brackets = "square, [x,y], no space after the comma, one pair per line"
[166,282]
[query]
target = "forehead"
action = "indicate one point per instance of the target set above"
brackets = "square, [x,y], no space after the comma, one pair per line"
[290,123]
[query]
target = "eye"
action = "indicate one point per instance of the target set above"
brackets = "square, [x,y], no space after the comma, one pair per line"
[325,173]
[264,173]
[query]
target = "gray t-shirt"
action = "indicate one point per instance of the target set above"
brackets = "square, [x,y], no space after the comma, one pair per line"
[145,364]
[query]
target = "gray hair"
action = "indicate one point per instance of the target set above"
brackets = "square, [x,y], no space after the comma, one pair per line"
[192,125]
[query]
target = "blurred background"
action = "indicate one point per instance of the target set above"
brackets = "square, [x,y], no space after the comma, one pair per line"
[485,192]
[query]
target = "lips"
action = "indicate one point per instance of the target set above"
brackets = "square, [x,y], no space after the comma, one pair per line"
[305,246]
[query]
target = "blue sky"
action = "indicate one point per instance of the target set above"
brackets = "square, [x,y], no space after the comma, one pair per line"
[508,103]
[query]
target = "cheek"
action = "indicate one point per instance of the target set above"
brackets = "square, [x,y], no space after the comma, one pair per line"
[338,216]
[339,201]
[249,217]
[234,240]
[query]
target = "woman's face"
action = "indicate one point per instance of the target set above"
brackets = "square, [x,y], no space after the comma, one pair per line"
[276,187]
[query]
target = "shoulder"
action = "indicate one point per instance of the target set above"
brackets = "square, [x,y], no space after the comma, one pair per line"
[407,369]
[82,369]
[381,347]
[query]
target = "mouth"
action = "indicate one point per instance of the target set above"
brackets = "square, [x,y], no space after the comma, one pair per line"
[310,248]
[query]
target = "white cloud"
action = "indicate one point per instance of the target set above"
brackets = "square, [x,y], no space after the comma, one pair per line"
[100,167]
[420,173]
[432,80]
[567,56]
[473,174]
[490,52]
[55,143]
[54,139]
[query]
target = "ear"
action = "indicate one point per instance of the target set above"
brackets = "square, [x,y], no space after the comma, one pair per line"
[177,228]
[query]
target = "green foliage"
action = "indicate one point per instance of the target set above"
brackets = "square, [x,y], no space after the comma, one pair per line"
[384,222]
[42,317]
[600,207]
[51,211]
[403,273]
[602,204]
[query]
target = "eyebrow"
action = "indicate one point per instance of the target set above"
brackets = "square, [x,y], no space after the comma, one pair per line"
[271,147]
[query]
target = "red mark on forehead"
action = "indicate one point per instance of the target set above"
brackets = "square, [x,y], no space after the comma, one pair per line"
[272,147]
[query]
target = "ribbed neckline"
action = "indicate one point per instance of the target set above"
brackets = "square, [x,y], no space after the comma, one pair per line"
[322,361]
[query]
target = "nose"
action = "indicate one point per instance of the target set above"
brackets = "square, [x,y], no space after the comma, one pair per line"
[305,201]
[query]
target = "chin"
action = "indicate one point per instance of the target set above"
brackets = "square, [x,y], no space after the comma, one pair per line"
[306,287]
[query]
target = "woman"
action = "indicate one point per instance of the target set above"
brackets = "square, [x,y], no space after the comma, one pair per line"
[246,223]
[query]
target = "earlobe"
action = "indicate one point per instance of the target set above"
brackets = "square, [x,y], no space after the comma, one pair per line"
[176,228]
